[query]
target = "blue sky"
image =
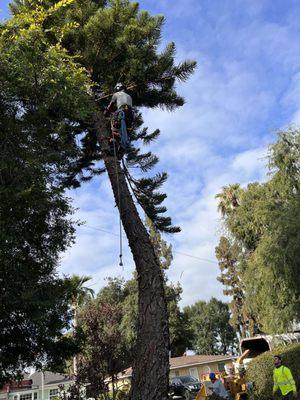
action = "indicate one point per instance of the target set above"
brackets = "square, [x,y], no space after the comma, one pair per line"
[247,85]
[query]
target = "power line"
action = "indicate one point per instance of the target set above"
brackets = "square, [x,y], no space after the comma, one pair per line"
[99,229]
[174,251]
[196,257]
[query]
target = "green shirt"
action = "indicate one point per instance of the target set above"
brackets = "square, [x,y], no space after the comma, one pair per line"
[283,379]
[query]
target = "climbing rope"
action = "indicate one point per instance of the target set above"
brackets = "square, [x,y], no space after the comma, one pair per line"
[119,206]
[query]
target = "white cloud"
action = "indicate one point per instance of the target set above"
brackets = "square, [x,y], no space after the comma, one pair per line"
[201,227]
[250,164]
[96,251]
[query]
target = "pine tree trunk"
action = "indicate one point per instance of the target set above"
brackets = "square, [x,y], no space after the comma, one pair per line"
[151,364]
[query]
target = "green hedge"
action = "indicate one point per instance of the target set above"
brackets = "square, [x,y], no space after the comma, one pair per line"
[121,395]
[260,370]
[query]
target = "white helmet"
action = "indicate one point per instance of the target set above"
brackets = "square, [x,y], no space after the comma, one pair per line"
[119,86]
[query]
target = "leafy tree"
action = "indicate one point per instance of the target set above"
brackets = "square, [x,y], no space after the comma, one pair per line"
[211,331]
[35,227]
[105,351]
[75,391]
[116,335]
[180,332]
[117,291]
[46,49]
[179,329]
[264,231]
[229,256]
[122,296]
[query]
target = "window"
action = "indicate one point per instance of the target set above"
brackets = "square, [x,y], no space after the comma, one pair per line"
[172,374]
[27,396]
[35,396]
[176,373]
[53,394]
[194,372]
[207,369]
[221,367]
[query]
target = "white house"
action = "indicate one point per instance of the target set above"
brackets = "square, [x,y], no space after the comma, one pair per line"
[36,386]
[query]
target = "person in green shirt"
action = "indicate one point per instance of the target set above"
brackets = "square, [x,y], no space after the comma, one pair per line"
[283,380]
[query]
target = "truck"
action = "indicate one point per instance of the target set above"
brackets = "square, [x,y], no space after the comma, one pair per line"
[234,376]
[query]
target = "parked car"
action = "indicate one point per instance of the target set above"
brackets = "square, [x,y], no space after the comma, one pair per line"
[185,387]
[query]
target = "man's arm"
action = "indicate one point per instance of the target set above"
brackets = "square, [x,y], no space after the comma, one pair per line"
[111,104]
[113,100]
[290,379]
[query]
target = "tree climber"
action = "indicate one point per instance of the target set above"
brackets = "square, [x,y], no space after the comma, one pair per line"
[122,117]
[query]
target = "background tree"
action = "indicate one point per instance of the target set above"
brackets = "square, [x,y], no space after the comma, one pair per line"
[79,292]
[122,296]
[263,231]
[35,227]
[49,47]
[229,256]
[116,334]
[228,199]
[211,331]
[105,352]
[79,295]
[179,329]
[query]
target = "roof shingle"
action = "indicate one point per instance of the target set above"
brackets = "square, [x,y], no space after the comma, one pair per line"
[197,359]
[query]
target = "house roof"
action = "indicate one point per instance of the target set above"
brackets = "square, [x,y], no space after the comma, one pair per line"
[184,361]
[50,378]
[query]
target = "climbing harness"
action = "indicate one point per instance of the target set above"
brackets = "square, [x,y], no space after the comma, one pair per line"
[119,130]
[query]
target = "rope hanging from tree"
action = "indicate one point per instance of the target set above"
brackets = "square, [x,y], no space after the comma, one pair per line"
[119,206]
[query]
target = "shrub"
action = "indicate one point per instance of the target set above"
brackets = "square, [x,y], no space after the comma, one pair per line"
[120,395]
[260,370]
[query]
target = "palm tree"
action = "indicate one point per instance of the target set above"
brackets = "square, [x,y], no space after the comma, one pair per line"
[229,198]
[79,294]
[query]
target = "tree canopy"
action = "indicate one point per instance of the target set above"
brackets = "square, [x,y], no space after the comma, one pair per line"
[64,53]
[210,328]
[35,227]
[259,258]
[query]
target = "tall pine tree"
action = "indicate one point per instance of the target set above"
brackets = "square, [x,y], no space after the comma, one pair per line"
[54,44]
